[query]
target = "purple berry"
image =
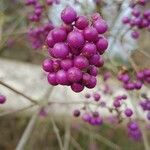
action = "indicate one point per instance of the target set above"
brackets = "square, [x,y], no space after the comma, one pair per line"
[92,70]
[68,15]
[89,50]
[74,74]
[82,22]
[101,26]
[75,39]
[128,112]
[81,62]
[52,79]
[59,35]
[50,41]
[96,96]
[60,50]
[90,34]
[66,64]
[76,113]
[2,99]
[102,45]
[48,65]
[61,77]
[77,87]
[116,103]
[135,34]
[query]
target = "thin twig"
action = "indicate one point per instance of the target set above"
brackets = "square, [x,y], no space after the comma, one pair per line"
[67,134]
[76,144]
[27,132]
[16,111]
[56,130]
[68,125]
[18,92]
[102,139]
[144,135]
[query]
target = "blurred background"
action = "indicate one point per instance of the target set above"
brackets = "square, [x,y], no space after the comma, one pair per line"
[25,124]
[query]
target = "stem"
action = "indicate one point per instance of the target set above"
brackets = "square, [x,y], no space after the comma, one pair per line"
[56,130]
[103,140]
[145,139]
[27,132]
[76,144]
[67,134]
[16,111]
[18,92]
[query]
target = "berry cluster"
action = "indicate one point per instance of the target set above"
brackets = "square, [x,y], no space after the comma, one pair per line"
[144,76]
[134,130]
[139,19]
[51,2]
[141,78]
[35,16]
[75,49]
[146,107]
[2,99]
[38,35]
[90,116]
[93,118]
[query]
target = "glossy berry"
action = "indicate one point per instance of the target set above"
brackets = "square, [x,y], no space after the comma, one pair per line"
[52,79]
[101,26]
[128,112]
[74,74]
[59,35]
[90,34]
[81,62]
[61,77]
[68,15]
[96,96]
[66,64]
[89,50]
[82,22]
[75,39]
[77,87]
[60,50]
[2,99]
[76,113]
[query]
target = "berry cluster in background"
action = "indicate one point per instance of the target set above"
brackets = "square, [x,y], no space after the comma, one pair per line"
[142,77]
[75,50]
[37,35]
[139,18]
[145,105]
[41,26]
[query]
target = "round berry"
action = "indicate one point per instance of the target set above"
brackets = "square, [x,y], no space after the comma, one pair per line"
[89,50]
[74,74]
[128,112]
[48,65]
[82,22]
[102,45]
[66,64]
[76,113]
[52,79]
[75,39]
[2,99]
[90,34]
[61,77]
[60,50]
[81,62]
[77,87]
[59,35]
[101,26]
[68,15]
